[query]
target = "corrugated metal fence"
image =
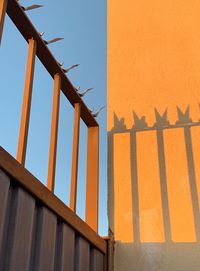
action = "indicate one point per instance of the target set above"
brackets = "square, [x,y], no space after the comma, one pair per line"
[37,231]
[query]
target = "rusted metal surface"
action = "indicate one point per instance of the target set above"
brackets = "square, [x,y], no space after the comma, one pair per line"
[27,181]
[75,151]
[92,186]
[28,31]
[54,133]
[26,106]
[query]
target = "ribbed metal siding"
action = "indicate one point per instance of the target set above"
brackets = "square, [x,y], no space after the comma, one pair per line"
[33,238]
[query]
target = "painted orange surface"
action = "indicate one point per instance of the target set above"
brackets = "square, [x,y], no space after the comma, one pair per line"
[179,195]
[195,132]
[153,58]
[154,62]
[123,214]
[150,206]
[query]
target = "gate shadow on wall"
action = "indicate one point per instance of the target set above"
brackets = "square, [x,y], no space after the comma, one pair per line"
[166,237]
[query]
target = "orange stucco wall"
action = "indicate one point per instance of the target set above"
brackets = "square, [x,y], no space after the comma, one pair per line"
[153,132]
[153,57]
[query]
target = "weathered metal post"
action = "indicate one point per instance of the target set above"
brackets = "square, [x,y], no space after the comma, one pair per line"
[75,152]
[92,188]
[54,133]
[26,106]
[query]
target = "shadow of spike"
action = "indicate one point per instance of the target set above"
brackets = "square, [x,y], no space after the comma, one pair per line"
[139,123]
[161,120]
[119,125]
[183,117]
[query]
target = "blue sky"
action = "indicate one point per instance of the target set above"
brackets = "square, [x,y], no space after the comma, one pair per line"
[83,25]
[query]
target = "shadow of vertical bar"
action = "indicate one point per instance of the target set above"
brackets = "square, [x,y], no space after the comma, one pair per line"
[110,174]
[163,185]
[192,179]
[134,178]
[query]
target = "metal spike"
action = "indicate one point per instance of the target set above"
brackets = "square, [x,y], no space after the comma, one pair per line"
[91,110]
[61,63]
[52,41]
[41,33]
[70,68]
[85,91]
[98,111]
[31,7]
[78,88]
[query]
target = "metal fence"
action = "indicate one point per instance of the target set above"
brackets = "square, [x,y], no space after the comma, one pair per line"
[37,47]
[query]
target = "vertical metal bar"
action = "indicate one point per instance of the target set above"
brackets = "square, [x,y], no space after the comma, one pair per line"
[75,149]
[26,106]
[92,187]
[3,6]
[54,133]
[108,257]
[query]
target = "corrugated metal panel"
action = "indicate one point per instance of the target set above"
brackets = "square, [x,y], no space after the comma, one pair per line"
[33,238]
[4,189]
[96,260]
[20,230]
[65,248]
[46,198]
[82,254]
[45,240]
